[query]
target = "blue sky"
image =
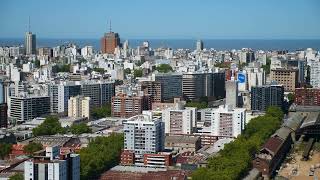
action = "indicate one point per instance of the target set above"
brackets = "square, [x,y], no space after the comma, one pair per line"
[191,19]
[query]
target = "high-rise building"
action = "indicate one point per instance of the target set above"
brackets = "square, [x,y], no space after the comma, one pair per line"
[268,95]
[255,77]
[171,85]
[144,135]
[197,85]
[286,77]
[307,96]
[232,93]
[199,45]
[109,42]
[30,43]
[180,119]
[79,106]
[100,92]
[62,168]
[3,115]
[26,108]
[60,94]
[127,106]
[153,89]
[314,74]
[225,120]
[1,92]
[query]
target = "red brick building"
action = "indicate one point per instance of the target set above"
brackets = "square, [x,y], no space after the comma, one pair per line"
[307,96]
[161,159]
[109,42]
[126,106]
[127,157]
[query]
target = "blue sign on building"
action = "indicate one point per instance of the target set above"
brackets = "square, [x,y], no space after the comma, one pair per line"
[241,78]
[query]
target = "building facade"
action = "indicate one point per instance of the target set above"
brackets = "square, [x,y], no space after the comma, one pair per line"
[100,92]
[60,94]
[286,77]
[264,96]
[232,93]
[30,43]
[171,85]
[109,42]
[3,115]
[153,89]
[314,74]
[307,96]
[79,106]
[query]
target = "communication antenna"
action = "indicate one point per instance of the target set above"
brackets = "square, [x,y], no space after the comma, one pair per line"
[110,26]
[29,27]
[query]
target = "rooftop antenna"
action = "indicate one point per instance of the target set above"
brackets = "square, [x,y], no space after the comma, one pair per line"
[110,26]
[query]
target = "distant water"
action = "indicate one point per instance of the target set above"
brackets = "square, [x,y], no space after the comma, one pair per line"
[218,44]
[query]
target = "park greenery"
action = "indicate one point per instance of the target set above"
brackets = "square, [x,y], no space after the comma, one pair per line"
[198,105]
[127,71]
[266,67]
[222,64]
[18,176]
[80,128]
[32,147]
[50,126]
[99,70]
[235,160]
[101,112]
[5,149]
[164,68]
[137,73]
[63,68]
[101,154]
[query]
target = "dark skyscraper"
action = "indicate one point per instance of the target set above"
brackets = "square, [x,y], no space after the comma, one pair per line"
[264,96]
[3,115]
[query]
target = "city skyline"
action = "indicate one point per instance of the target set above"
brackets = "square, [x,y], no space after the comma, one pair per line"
[190,20]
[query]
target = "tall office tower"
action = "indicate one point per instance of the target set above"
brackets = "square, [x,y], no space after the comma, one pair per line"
[100,92]
[26,108]
[143,134]
[43,167]
[109,42]
[225,120]
[197,85]
[307,96]
[171,85]
[79,106]
[286,77]
[268,95]
[127,106]
[1,92]
[3,115]
[180,119]
[314,74]
[153,89]
[232,93]
[219,79]
[255,77]
[199,45]
[30,43]
[59,95]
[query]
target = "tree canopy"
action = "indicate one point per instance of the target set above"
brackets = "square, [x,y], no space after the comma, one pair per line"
[50,126]
[234,161]
[101,154]
[127,71]
[80,128]
[32,147]
[101,112]
[164,68]
[198,105]
[63,68]
[266,67]
[18,176]
[5,150]
[137,73]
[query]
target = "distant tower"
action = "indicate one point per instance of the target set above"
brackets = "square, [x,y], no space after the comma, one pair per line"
[110,41]
[199,45]
[30,41]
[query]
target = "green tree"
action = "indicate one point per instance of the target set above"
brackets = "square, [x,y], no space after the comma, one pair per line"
[101,112]
[266,67]
[5,150]
[198,105]
[234,161]
[37,63]
[101,154]
[80,128]
[63,68]
[291,97]
[138,73]
[18,176]
[164,68]
[50,126]
[127,71]
[100,70]
[32,147]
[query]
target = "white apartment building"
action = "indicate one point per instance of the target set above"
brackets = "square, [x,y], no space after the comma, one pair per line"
[79,106]
[224,121]
[180,119]
[314,74]
[144,134]
[255,76]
